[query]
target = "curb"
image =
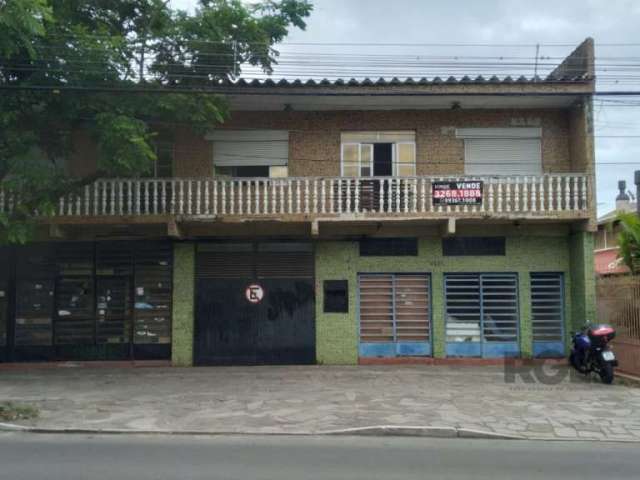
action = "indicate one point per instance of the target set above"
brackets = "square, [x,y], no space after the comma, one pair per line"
[409,431]
[374,431]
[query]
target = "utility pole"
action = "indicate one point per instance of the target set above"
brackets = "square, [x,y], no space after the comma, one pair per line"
[535,68]
[636,180]
[235,58]
[141,68]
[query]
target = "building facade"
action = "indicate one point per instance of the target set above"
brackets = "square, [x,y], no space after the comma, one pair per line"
[331,223]
[607,260]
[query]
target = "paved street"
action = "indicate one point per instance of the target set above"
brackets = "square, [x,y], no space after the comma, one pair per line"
[323,398]
[70,457]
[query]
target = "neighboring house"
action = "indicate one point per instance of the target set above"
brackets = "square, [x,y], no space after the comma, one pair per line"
[329,222]
[606,257]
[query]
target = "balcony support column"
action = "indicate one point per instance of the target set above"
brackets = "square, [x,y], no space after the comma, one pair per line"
[449,228]
[174,230]
[315,228]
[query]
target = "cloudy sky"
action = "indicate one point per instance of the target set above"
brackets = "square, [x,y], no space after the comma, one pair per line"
[512,29]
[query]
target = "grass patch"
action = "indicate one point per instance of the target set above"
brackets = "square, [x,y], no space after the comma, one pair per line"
[10,412]
[627,382]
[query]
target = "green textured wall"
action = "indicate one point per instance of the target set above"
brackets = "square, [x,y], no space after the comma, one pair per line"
[183,304]
[337,334]
[584,279]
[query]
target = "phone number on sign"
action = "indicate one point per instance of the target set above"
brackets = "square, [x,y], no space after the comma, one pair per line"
[469,194]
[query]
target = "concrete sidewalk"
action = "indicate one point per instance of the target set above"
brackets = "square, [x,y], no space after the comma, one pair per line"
[324,398]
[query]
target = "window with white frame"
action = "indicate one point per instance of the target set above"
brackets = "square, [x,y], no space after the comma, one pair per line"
[380,154]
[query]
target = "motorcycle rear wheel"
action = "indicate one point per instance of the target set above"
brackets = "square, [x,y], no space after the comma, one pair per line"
[606,373]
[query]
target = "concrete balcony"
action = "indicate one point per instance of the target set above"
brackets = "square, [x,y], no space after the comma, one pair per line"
[304,199]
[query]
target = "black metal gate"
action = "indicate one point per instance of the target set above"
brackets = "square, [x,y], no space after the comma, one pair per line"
[279,328]
[106,300]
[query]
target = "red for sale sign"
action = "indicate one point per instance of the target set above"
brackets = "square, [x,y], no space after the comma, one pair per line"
[457,193]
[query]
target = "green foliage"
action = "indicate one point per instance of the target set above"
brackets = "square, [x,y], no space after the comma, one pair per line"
[629,240]
[93,66]
[10,412]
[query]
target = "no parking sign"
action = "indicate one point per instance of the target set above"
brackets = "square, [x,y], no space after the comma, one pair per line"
[254,293]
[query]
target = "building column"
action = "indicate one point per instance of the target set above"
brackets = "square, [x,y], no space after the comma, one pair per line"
[336,333]
[526,326]
[438,326]
[583,280]
[183,304]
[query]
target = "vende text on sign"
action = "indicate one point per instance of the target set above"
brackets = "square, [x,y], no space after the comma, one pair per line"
[457,193]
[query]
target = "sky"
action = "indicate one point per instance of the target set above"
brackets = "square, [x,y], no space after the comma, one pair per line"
[557,26]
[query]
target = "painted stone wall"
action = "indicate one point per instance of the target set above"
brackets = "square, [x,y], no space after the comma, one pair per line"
[183,304]
[584,279]
[337,334]
[314,137]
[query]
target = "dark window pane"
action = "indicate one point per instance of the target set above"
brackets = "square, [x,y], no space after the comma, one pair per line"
[336,296]
[251,171]
[389,247]
[462,246]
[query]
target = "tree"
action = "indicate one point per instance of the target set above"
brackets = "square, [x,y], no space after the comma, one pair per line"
[629,240]
[98,65]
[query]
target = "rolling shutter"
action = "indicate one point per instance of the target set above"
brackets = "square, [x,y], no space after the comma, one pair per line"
[502,151]
[237,148]
[495,156]
[247,261]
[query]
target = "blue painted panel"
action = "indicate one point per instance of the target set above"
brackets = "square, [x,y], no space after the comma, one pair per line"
[413,349]
[377,349]
[464,349]
[548,349]
[500,350]
[390,349]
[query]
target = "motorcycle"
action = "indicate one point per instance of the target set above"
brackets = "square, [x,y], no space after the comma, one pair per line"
[591,352]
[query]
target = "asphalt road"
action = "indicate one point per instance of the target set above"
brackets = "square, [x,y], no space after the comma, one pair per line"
[69,457]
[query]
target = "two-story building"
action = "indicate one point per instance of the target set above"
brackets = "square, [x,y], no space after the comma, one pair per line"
[328,222]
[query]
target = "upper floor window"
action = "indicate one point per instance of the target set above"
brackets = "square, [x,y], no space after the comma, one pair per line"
[379,154]
[253,171]
[502,151]
[163,166]
[250,153]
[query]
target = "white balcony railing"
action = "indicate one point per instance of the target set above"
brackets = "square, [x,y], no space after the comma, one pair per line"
[545,195]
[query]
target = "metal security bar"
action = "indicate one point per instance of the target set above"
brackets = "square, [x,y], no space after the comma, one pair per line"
[499,307]
[394,308]
[463,308]
[547,308]
[481,309]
